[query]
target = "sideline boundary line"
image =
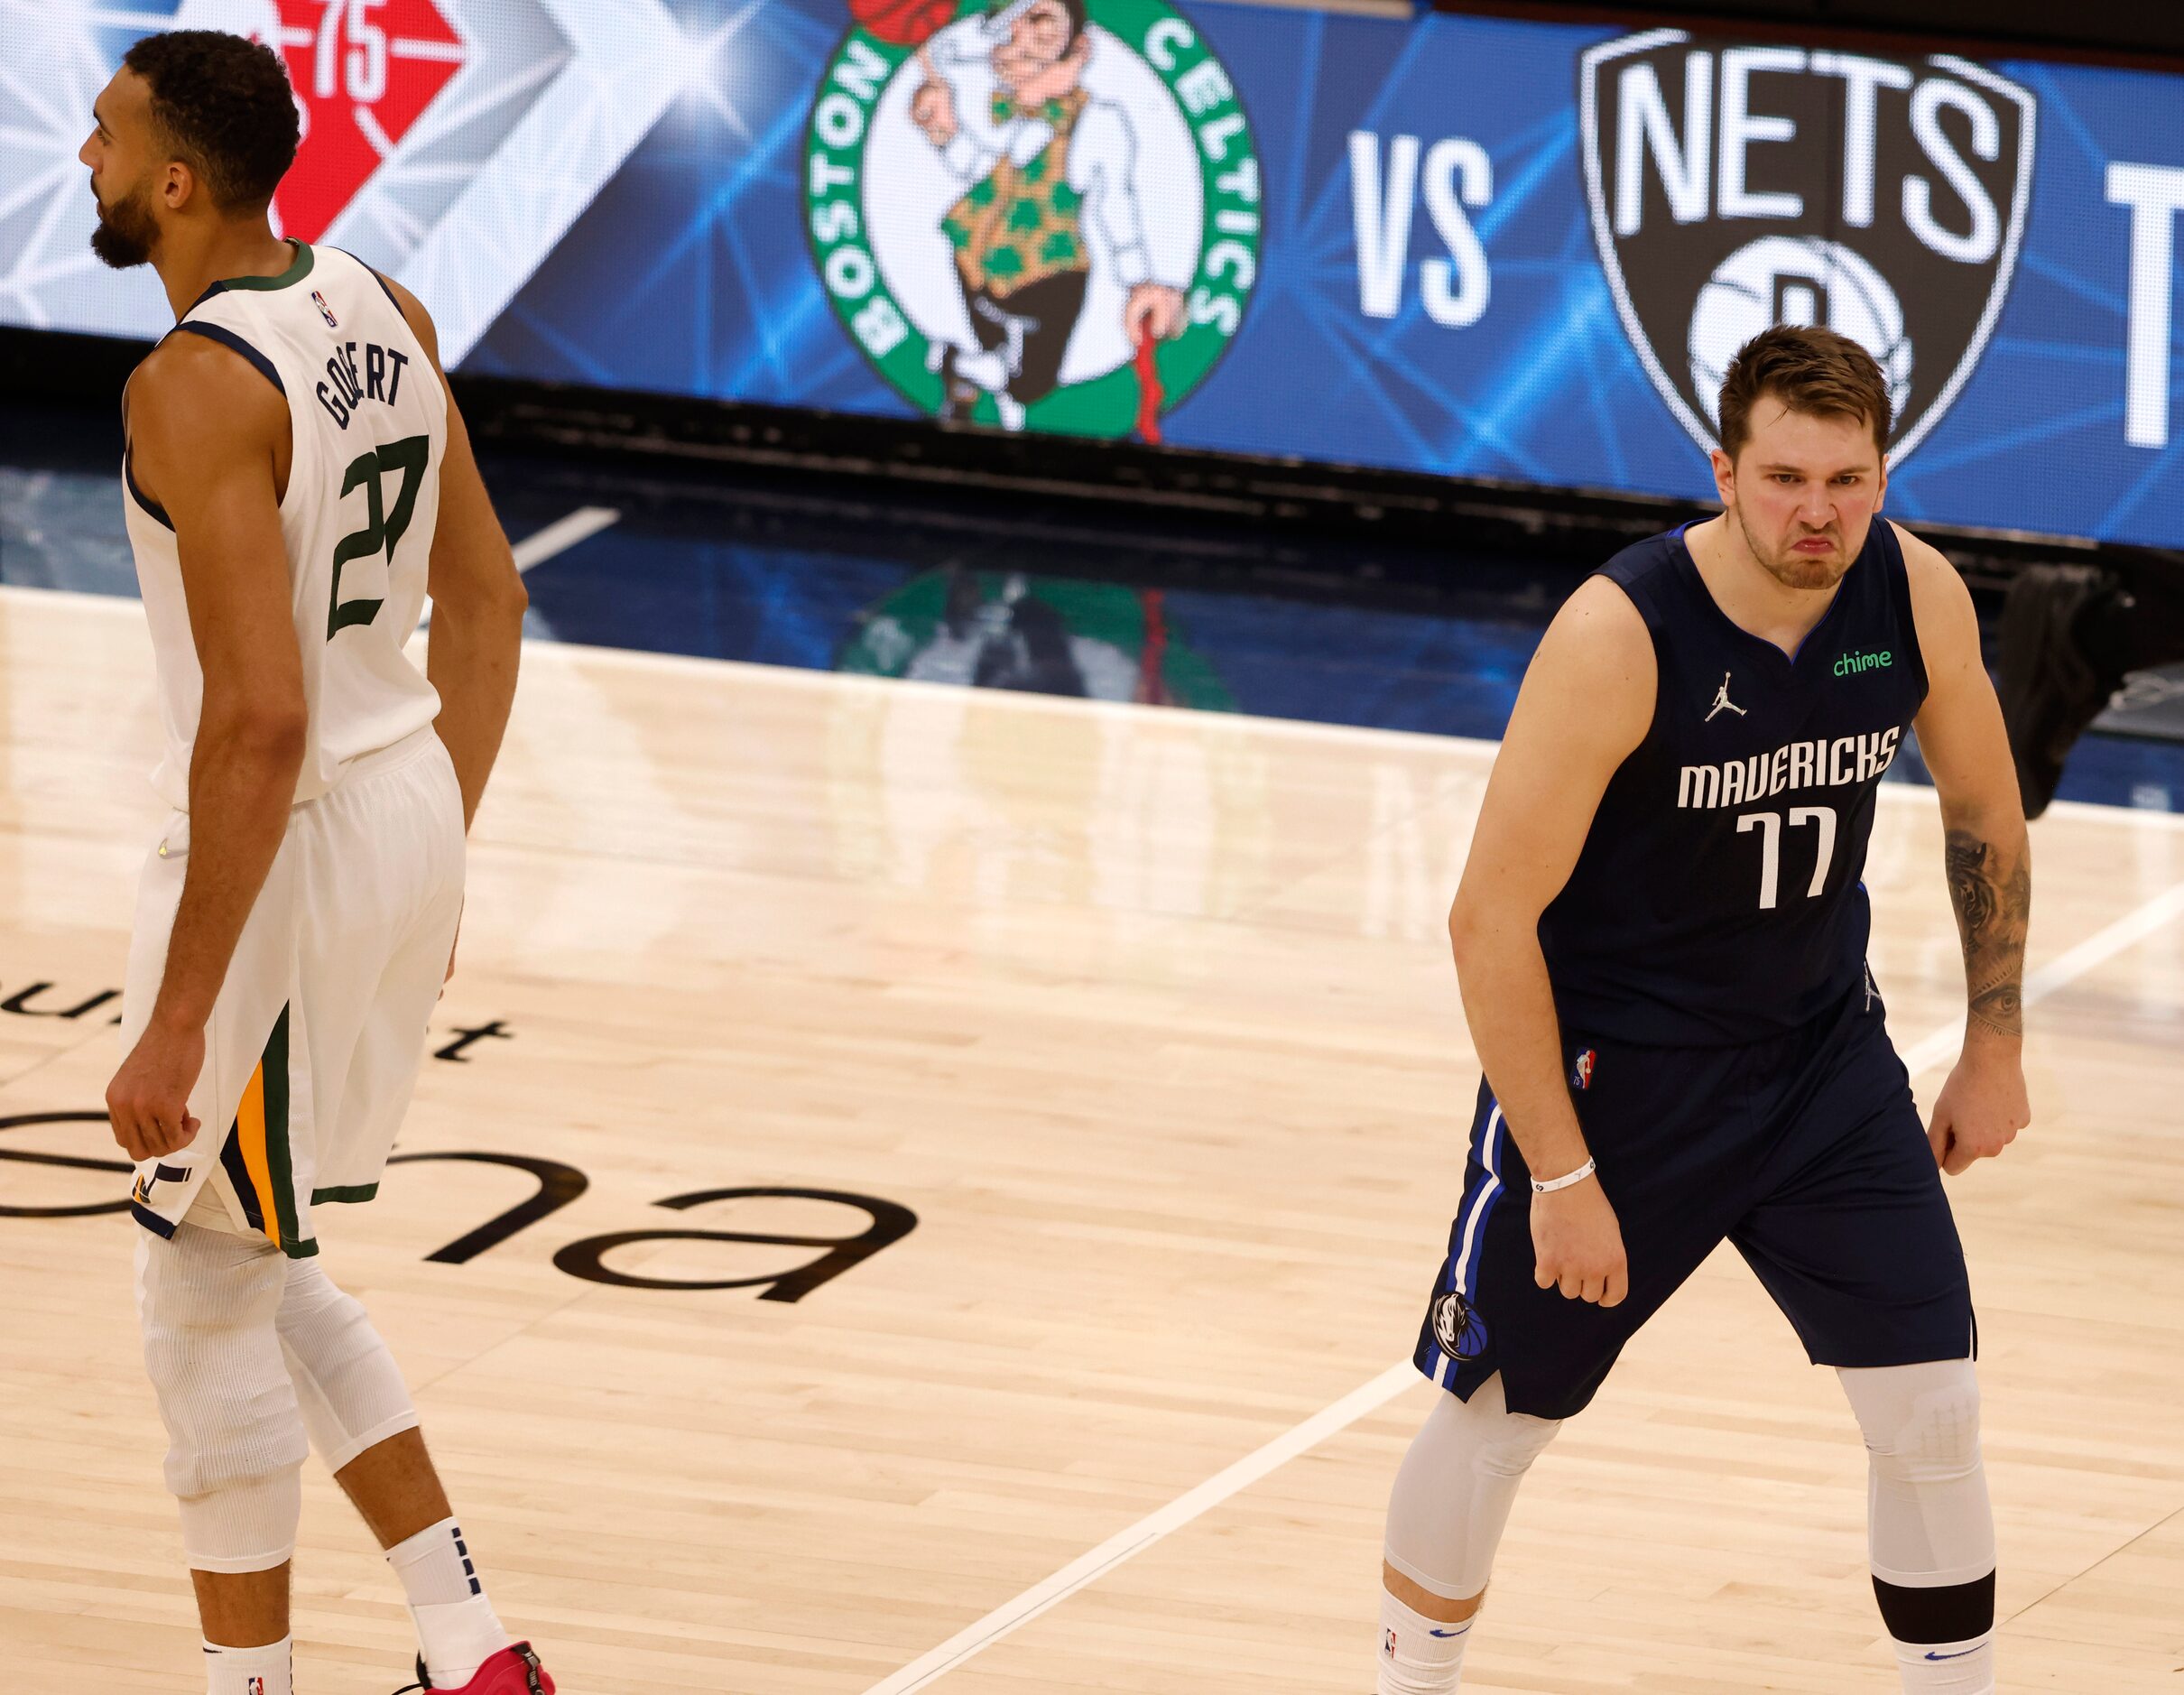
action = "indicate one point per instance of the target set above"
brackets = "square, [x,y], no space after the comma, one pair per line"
[1087,1568]
[2133,928]
[2097,950]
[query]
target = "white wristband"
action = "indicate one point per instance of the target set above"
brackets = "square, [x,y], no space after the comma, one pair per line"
[1578,1176]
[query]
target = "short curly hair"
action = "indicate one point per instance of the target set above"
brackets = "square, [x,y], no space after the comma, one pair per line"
[224,104]
[1808,370]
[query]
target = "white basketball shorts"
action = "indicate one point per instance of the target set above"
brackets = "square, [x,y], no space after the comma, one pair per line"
[315,1039]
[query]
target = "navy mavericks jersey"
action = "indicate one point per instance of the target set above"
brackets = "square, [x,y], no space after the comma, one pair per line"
[1717,899]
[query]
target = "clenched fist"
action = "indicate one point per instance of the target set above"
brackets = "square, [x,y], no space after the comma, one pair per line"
[148,1100]
[1578,1245]
[1980,1108]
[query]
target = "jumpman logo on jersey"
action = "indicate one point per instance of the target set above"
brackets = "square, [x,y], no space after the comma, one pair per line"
[1722,703]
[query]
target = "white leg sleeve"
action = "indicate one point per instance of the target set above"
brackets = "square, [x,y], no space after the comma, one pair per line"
[352,1392]
[207,1302]
[1930,1523]
[1453,1494]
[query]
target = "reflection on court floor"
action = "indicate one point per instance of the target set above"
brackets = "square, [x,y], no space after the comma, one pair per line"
[1120,605]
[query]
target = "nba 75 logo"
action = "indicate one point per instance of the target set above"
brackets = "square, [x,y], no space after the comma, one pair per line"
[364,71]
[1736,185]
[1040,214]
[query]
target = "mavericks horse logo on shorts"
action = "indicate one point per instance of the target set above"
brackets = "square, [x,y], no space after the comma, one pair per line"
[1460,1331]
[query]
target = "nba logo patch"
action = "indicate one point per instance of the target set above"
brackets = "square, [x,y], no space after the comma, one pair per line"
[1387,1644]
[1581,1073]
[324,311]
[256,1685]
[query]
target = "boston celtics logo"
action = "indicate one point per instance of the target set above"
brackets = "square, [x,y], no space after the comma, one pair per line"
[1035,214]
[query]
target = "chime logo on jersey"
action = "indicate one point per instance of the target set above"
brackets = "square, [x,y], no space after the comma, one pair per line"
[1734,186]
[1028,224]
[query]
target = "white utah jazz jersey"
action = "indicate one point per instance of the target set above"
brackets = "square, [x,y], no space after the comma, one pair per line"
[368,427]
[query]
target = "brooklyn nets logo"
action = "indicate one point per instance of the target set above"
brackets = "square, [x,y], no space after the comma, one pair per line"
[1034,214]
[1734,187]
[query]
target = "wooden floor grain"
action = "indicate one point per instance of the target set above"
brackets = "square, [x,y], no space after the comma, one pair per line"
[1148,1017]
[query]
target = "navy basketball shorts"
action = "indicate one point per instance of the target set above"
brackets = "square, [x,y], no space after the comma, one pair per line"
[1805,1151]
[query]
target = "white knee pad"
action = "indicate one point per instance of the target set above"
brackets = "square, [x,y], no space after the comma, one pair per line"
[207,1302]
[1930,1521]
[351,1391]
[1453,1494]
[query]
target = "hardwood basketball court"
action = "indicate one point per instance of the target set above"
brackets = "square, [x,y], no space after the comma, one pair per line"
[1147,1018]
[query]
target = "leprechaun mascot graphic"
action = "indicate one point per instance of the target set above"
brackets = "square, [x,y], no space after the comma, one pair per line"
[1051,174]
[1035,214]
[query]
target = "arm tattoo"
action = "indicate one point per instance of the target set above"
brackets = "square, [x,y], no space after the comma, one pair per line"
[1993,911]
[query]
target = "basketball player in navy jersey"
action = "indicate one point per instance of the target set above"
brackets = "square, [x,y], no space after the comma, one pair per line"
[1661,939]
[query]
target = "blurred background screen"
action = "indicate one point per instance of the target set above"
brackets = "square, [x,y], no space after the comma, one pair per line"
[1507,248]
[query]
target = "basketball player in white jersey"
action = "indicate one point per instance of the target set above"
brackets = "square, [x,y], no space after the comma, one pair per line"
[298,478]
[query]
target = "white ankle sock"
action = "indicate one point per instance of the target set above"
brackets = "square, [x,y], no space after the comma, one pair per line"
[1948,1668]
[1419,1655]
[249,1670]
[457,1630]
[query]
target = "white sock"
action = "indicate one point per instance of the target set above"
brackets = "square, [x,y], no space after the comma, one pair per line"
[1419,1655]
[249,1670]
[1948,1668]
[457,1630]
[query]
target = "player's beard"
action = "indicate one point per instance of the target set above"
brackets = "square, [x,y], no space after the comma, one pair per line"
[1794,569]
[126,231]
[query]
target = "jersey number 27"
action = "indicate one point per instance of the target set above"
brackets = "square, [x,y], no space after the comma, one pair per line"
[385,525]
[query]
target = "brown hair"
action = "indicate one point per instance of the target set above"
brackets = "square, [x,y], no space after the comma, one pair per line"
[1808,370]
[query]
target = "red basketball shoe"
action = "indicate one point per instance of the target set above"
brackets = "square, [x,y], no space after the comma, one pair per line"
[512,1671]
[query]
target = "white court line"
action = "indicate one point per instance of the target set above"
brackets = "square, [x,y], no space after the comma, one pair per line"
[1149,1530]
[562,534]
[558,537]
[2097,950]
